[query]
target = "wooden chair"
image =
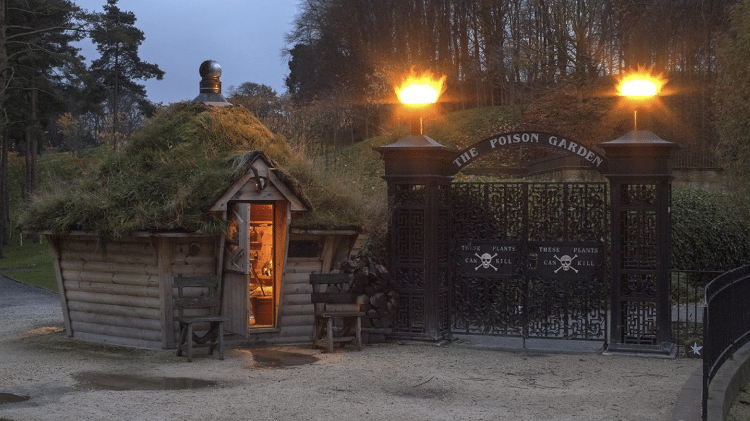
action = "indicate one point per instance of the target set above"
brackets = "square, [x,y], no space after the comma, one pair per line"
[190,301]
[333,301]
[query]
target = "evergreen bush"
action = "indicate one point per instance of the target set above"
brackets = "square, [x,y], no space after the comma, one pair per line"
[710,230]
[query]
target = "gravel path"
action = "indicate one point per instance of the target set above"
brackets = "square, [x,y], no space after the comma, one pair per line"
[383,382]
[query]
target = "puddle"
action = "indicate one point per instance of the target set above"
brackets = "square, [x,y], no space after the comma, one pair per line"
[11,398]
[108,381]
[272,358]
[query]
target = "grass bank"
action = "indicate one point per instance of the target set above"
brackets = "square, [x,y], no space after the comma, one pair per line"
[24,260]
[28,262]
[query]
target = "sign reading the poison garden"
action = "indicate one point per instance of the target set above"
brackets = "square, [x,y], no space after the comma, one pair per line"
[567,261]
[548,140]
[487,259]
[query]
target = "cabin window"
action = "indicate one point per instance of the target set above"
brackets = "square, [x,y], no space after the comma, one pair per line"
[305,248]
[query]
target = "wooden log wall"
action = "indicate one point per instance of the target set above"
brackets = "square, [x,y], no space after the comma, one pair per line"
[111,297]
[187,256]
[123,295]
[296,312]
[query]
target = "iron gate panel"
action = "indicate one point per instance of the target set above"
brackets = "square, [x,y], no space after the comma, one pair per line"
[529,259]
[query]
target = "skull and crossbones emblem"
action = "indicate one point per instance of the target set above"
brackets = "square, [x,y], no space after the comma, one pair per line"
[565,263]
[486,260]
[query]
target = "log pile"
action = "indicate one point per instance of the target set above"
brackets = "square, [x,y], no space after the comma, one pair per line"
[378,298]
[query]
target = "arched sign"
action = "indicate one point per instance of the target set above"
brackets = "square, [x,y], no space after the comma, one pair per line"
[548,140]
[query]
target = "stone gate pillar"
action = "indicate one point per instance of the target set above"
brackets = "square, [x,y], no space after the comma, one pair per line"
[640,194]
[416,170]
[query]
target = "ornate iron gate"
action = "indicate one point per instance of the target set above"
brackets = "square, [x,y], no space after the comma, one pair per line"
[530,259]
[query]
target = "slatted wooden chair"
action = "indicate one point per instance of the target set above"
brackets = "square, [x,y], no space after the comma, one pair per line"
[333,301]
[196,295]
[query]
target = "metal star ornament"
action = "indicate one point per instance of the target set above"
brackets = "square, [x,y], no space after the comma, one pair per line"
[696,348]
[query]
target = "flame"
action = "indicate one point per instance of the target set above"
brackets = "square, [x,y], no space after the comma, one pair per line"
[420,89]
[641,84]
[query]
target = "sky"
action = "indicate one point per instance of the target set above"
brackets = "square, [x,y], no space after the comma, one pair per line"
[245,37]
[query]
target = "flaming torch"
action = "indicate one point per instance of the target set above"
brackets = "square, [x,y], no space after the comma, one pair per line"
[640,86]
[417,92]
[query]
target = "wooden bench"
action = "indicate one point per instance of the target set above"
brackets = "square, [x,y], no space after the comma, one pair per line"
[333,301]
[199,293]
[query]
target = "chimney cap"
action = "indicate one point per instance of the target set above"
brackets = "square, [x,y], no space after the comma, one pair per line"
[210,85]
[210,69]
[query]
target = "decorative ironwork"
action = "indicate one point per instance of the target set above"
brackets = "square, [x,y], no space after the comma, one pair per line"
[638,319]
[444,310]
[586,208]
[410,314]
[489,211]
[410,277]
[638,232]
[444,235]
[488,306]
[529,259]
[638,194]
[410,194]
[546,212]
[408,233]
[636,283]
[420,257]
[444,196]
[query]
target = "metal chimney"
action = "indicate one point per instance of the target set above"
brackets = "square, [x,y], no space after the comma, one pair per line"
[210,85]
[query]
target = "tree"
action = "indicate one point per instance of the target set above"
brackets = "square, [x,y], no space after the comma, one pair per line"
[118,68]
[46,30]
[260,99]
[491,50]
[35,37]
[81,99]
[733,95]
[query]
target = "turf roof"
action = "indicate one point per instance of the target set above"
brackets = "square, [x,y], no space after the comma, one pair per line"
[166,178]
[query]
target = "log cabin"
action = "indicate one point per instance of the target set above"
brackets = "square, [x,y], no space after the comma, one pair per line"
[115,280]
[123,294]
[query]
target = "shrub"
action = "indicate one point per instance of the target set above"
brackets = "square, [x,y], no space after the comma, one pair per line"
[710,230]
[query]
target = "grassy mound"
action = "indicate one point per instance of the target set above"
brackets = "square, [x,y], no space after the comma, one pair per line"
[164,180]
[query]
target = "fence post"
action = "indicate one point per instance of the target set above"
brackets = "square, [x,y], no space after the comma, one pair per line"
[640,179]
[706,364]
[417,173]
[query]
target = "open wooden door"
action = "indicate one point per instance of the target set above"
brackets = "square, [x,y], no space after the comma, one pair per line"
[236,269]
[251,259]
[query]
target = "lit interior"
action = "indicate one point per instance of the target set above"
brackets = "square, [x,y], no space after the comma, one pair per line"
[250,275]
[261,267]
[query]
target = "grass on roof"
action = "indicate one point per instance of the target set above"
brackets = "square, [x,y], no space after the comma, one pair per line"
[173,170]
[164,179]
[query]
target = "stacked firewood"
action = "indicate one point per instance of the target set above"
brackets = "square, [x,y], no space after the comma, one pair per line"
[377,297]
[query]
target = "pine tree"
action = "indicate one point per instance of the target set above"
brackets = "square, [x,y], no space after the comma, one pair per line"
[117,40]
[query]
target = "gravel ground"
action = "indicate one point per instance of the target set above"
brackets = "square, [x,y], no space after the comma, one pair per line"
[382,382]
